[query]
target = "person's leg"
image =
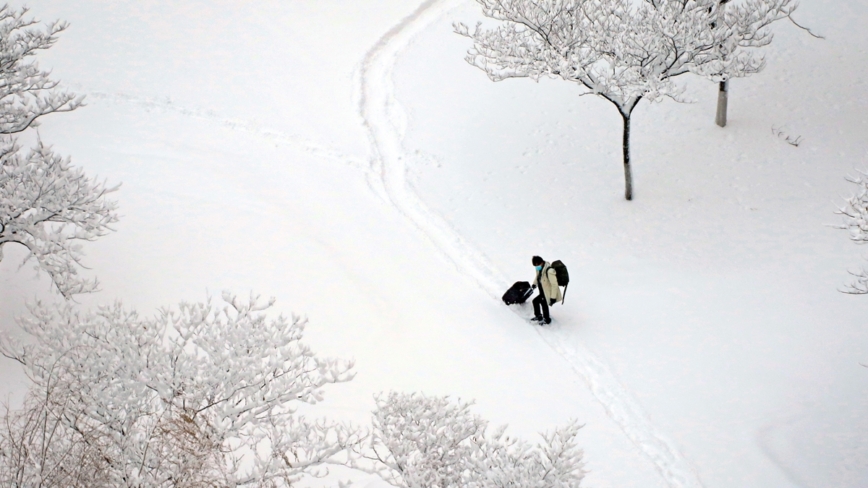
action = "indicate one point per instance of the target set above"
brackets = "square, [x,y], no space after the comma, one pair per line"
[545,307]
[537,301]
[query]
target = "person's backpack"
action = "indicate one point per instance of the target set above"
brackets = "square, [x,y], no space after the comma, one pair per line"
[562,274]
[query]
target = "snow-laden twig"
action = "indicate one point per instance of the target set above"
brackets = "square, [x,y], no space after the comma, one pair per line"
[26,92]
[49,207]
[855,221]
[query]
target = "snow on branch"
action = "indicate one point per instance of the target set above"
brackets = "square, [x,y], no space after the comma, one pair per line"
[46,205]
[855,216]
[421,441]
[201,395]
[620,49]
[26,92]
[50,207]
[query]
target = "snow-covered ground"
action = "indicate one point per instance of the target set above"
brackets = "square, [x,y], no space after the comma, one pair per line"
[341,156]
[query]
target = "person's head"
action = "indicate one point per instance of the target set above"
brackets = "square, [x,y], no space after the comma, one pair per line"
[537,261]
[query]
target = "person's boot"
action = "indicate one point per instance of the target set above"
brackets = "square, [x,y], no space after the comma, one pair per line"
[537,318]
[545,321]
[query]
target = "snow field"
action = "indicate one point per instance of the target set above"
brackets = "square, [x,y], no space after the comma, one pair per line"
[371,179]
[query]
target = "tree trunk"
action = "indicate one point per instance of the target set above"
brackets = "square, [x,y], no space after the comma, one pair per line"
[628,173]
[722,95]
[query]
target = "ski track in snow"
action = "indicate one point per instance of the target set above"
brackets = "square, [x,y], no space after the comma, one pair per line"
[385,121]
[165,104]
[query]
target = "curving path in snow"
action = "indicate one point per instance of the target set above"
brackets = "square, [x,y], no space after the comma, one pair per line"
[384,121]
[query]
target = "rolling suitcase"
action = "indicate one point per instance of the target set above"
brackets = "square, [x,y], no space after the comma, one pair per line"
[518,293]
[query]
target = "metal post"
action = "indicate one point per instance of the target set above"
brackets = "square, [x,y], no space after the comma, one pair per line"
[721,103]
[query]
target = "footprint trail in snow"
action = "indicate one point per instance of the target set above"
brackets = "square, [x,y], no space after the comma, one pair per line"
[240,125]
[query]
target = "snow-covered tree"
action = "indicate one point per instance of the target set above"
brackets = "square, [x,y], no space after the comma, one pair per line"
[50,207]
[46,205]
[421,442]
[26,92]
[623,50]
[855,214]
[204,395]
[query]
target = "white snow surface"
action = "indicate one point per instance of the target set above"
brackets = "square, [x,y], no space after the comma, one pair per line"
[341,156]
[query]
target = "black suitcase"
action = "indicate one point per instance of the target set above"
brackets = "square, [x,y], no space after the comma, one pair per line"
[518,293]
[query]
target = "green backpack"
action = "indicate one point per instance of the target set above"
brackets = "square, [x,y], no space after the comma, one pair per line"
[562,274]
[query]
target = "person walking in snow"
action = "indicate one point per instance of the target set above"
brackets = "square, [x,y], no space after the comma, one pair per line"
[549,292]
